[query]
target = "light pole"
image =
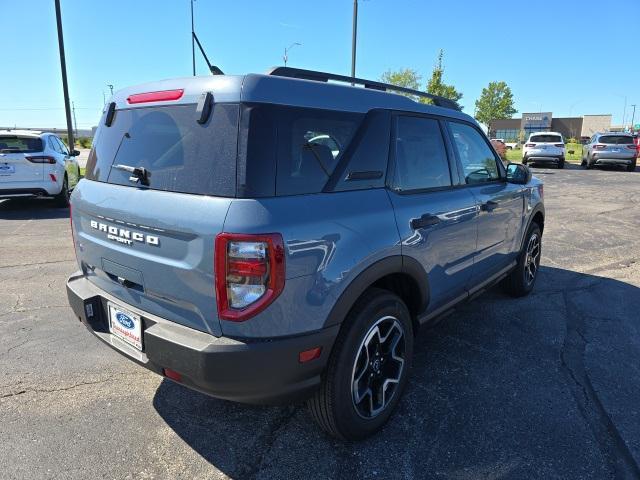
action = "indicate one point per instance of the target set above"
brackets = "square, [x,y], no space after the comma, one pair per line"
[354,38]
[633,115]
[285,57]
[193,46]
[63,67]
[110,88]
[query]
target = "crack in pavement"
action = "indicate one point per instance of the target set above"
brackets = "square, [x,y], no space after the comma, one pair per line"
[611,443]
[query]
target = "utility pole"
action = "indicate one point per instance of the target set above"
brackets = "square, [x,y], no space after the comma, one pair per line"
[633,115]
[75,124]
[63,67]
[354,38]
[193,46]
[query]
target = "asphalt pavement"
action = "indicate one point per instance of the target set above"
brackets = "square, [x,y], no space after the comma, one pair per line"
[545,386]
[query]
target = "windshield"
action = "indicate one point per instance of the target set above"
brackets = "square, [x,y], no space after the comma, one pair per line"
[17,144]
[617,139]
[546,139]
[180,154]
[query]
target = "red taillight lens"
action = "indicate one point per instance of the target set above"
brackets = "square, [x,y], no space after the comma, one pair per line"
[529,145]
[631,147]
[172,374]
[250,273]
[161,96]
[599,147]
[41,159]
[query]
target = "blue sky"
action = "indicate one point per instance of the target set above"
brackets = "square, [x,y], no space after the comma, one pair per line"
[553,54]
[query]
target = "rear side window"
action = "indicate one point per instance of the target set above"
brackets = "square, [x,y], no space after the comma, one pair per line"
[16,144]
[420,155]
[307,145]
[546,139]
[478,160]
[180,154]
[616,139]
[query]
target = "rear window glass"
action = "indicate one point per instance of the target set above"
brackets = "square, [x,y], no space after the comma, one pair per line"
[308,143]
[16,144]
[180,154]
[546,139]
[616,140]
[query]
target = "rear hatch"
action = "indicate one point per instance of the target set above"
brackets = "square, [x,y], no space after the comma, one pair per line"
[148,240]
[19,159]
[616,146]
[548,145]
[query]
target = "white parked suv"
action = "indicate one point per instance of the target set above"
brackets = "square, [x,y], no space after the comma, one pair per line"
[35,164]
[544,147]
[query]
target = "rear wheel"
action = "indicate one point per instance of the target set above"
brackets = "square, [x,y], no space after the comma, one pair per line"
[522,279]
[62,199]
[561,163]
[632,167]
[368,368]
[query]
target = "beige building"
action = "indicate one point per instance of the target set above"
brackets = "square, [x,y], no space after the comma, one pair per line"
[595,123]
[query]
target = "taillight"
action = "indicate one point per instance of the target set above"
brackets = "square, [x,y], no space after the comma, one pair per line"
[561,145]
[599,147]
[529,145]
[631,147]
[250,273]
[40,159]
[161,96]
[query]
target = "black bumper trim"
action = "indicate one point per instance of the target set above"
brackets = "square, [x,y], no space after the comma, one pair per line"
[248,371]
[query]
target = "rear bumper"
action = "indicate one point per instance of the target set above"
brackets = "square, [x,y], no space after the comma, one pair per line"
[614,161]
[258,372]
[30,189]
[543,158]
[22,192]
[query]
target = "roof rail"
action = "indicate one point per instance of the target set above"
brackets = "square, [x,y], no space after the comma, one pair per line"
[325,77]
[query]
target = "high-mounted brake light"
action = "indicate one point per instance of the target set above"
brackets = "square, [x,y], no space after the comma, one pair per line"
[161,96]
[250,273]
[40,159]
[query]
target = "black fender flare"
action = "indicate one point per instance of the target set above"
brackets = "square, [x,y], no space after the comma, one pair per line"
[539,208]
[373,273]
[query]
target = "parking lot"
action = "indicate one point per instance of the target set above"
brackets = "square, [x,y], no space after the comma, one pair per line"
[545,386]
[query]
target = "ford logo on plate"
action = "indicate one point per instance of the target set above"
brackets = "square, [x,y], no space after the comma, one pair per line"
[124,320]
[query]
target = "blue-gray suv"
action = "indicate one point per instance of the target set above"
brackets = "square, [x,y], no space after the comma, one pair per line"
[279,237]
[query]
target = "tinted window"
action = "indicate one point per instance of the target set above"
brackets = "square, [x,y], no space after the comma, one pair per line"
[63,146]
[421,157]
[546,139]
[54,145]
[180,154]
[16,144]
[617,139]
[477,159]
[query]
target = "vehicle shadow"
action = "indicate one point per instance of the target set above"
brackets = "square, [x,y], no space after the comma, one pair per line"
[497,390]
[31,209]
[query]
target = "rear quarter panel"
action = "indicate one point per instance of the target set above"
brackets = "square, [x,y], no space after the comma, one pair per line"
[329,239]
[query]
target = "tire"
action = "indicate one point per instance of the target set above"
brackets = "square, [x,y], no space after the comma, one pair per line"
[632,167]
[62,199]
[561,163]
[335,405]
[520,281]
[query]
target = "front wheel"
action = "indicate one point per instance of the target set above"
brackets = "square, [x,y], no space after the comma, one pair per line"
[368,368]
[522,279]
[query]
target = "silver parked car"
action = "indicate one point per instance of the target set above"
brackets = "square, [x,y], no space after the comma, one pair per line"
[617,148]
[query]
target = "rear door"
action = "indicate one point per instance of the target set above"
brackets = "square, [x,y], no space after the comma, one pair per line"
[616,146]
[437,222]
[149,241]
[16,162]
[501,214]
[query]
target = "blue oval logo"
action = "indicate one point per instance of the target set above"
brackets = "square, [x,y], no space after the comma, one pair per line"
[125,320]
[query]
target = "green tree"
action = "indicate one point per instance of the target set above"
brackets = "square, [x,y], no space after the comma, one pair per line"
[436,86]
[406,78]
[495,103]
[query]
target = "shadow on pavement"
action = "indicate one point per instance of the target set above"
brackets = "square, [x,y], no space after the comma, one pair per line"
[31,209]
[504,388]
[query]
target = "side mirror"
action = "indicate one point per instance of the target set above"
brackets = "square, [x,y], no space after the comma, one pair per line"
[74,153]
[518,173]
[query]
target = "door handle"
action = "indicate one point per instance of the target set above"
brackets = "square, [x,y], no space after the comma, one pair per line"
[426,220]
[489,206]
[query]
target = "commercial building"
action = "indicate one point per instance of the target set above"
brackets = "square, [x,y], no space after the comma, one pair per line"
[513,129]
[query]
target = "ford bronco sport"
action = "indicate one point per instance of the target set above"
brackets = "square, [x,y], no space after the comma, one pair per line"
[280,237]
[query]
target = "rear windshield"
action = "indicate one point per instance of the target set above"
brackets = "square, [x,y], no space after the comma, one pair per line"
[616,139]
[180,154]
[546,139]
[16,144]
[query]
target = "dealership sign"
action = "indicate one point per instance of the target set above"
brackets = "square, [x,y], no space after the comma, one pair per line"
[536,120]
